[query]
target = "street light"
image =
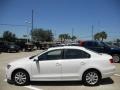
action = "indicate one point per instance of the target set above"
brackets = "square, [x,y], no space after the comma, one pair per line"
[27,25]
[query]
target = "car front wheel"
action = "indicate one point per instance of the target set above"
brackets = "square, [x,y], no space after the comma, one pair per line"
[21,78]
[91,78]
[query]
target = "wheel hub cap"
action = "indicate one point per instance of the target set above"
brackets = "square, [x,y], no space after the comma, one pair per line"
[20,78]
[92,78]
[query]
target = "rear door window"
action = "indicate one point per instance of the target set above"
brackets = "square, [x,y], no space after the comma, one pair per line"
[75,54]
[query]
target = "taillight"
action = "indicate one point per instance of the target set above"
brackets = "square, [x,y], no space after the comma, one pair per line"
[111,61]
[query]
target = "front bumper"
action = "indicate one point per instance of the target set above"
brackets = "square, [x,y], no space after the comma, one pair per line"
[8,74]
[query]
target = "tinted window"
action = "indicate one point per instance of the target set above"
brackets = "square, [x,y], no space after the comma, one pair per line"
[88,44]
[92,44]
[75,54]
[51,55]
[100,44]
[43,57]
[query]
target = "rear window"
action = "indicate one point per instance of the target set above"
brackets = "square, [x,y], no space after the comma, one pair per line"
[90,44]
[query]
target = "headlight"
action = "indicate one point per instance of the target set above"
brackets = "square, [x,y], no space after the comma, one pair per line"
[8,66]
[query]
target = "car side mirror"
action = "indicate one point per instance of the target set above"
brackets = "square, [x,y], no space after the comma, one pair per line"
[36,59]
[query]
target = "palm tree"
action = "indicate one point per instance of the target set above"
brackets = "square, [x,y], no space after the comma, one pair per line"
[100,36]
[103,35]
[63,37]
[73,38]
[97,36]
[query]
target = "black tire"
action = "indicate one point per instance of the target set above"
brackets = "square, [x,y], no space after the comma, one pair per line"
[8,51]
[21,80]
[116,58]
[17,50]
[90,80]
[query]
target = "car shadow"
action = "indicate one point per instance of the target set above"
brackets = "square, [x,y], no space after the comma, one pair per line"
[105,81]
[56,83]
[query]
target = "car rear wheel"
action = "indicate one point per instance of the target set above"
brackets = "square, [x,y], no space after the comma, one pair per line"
[116,58]
[91,78]
[21,78]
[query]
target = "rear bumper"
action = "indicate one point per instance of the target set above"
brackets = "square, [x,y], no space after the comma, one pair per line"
[108,72]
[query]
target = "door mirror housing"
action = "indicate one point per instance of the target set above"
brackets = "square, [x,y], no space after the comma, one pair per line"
[36,59]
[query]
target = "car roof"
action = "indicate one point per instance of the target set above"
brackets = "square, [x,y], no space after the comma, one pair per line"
[92,41]
[66,47]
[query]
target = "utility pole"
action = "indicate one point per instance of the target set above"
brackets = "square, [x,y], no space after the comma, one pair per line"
[92,32]
[72,33]
[32,20]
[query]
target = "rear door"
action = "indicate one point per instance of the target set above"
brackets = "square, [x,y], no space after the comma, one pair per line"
[73,60]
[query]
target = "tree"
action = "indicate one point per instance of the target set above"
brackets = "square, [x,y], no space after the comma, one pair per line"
[73,38]
[100,36]
[41,35]
[49,35]
[9,36]
[103,35]
[63,37]
[97,36]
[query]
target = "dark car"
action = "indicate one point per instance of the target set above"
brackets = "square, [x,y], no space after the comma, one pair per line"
[28,47]
[102,47]
[73,44]
[10,48]
[1,46]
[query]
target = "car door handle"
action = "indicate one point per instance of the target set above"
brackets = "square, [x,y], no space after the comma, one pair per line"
[58,64]
[82,63]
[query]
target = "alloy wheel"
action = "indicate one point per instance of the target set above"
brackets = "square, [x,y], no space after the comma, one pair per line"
[116,58]
[91,78]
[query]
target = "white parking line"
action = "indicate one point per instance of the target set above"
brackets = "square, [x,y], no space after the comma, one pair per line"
[29,87]
[117,75]
[32,88]
[5,80]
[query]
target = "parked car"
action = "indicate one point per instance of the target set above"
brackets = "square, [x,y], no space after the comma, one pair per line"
[28,47]
[9,48]
[73,44]
[62,64]
[102,47]
[1,46]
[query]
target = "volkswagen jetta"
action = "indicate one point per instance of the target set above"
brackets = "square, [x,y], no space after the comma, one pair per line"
[62,64]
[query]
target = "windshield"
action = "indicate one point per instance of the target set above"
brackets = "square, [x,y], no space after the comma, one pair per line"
[111,45]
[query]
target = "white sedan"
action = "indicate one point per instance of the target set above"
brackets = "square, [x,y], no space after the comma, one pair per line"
[62,64]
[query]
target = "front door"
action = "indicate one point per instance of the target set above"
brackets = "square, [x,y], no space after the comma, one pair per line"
[48,67]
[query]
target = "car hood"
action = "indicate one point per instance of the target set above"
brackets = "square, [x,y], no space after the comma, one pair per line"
[115,48]
[20,61]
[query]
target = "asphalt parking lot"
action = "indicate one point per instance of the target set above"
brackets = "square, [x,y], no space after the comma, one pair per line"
[112,83]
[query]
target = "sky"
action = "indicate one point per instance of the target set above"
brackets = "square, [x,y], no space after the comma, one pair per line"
[61,16]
